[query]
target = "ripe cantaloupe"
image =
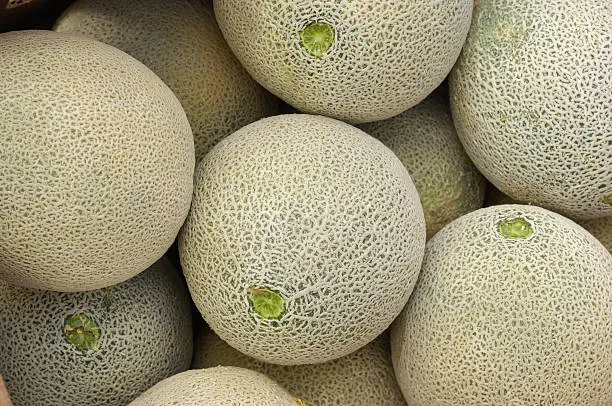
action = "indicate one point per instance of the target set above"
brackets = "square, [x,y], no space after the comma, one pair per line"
[97,163]
[181,42]
[513,306]
[357,61]
[304,240]
[219,386]
[102,347]
[362,378]
[425,140]
[530,97]
[601,228]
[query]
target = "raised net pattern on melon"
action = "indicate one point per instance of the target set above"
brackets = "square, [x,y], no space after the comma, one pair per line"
[316,211]
[385,56]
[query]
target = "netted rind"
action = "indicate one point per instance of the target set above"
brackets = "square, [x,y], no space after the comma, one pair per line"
[386,56]
[219,386]
[145,335]
[601,228]
[495,320]
[426,142]
[315,210]
[181,42]
[362,378]
[530,96]
[96,165]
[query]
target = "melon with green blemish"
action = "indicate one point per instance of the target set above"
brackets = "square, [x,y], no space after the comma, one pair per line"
[426,142]
[357,61]
[362,378]
[222,386]
[531,102]
[304,239]
[96,172]
[101,347]
[181,42]
[513,306]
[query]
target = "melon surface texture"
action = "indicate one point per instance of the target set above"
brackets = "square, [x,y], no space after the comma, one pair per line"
[304,240]
[362,378]
[513,306]
[357,61]
[530,97]
[102,347]
[96,165]
[219,386]
[181,42]
[426,142]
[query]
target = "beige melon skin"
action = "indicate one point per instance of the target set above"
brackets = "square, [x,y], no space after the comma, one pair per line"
[503,321]
[426,142]
[530,97]
[311,208]
[362,378]
[386,56]
[181,42]
[97,163]
[218,386]
[145,336]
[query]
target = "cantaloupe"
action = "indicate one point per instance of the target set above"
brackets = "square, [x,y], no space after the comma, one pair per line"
[96,172]
[362,378]
[181,42]
[426,142]
[304,239]
[102,347]
[219,386]
[357,61]
[513,306]
[601,228]
[530,97]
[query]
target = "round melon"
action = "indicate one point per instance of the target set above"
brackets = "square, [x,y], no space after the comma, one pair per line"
[102,347]
[530,97]
[97,163]
[426,142]
[362,378]
[304,240]
[219,386]
[513,306]
[181,42]
[357,61]
[601,228]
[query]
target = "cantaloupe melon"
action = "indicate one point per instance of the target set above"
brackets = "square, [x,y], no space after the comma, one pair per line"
[219,386]
[304,240]
[102,347]
[513,306]
[426,142]
[530,97]
[601,228]
[357,61]
[97,161]
[362,378]
[181,42]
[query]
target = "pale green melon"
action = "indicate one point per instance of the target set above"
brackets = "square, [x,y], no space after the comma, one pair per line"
[97,161]
[362,378]
[181,42]
[218,386]
[513,306]
[102,347]
[530,97]
[304,240]
[357,61]
[426,142]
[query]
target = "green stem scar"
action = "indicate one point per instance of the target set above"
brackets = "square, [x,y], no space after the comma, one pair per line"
[267,303]
[607,199]
[515,228]
[82,332]
[317,38]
